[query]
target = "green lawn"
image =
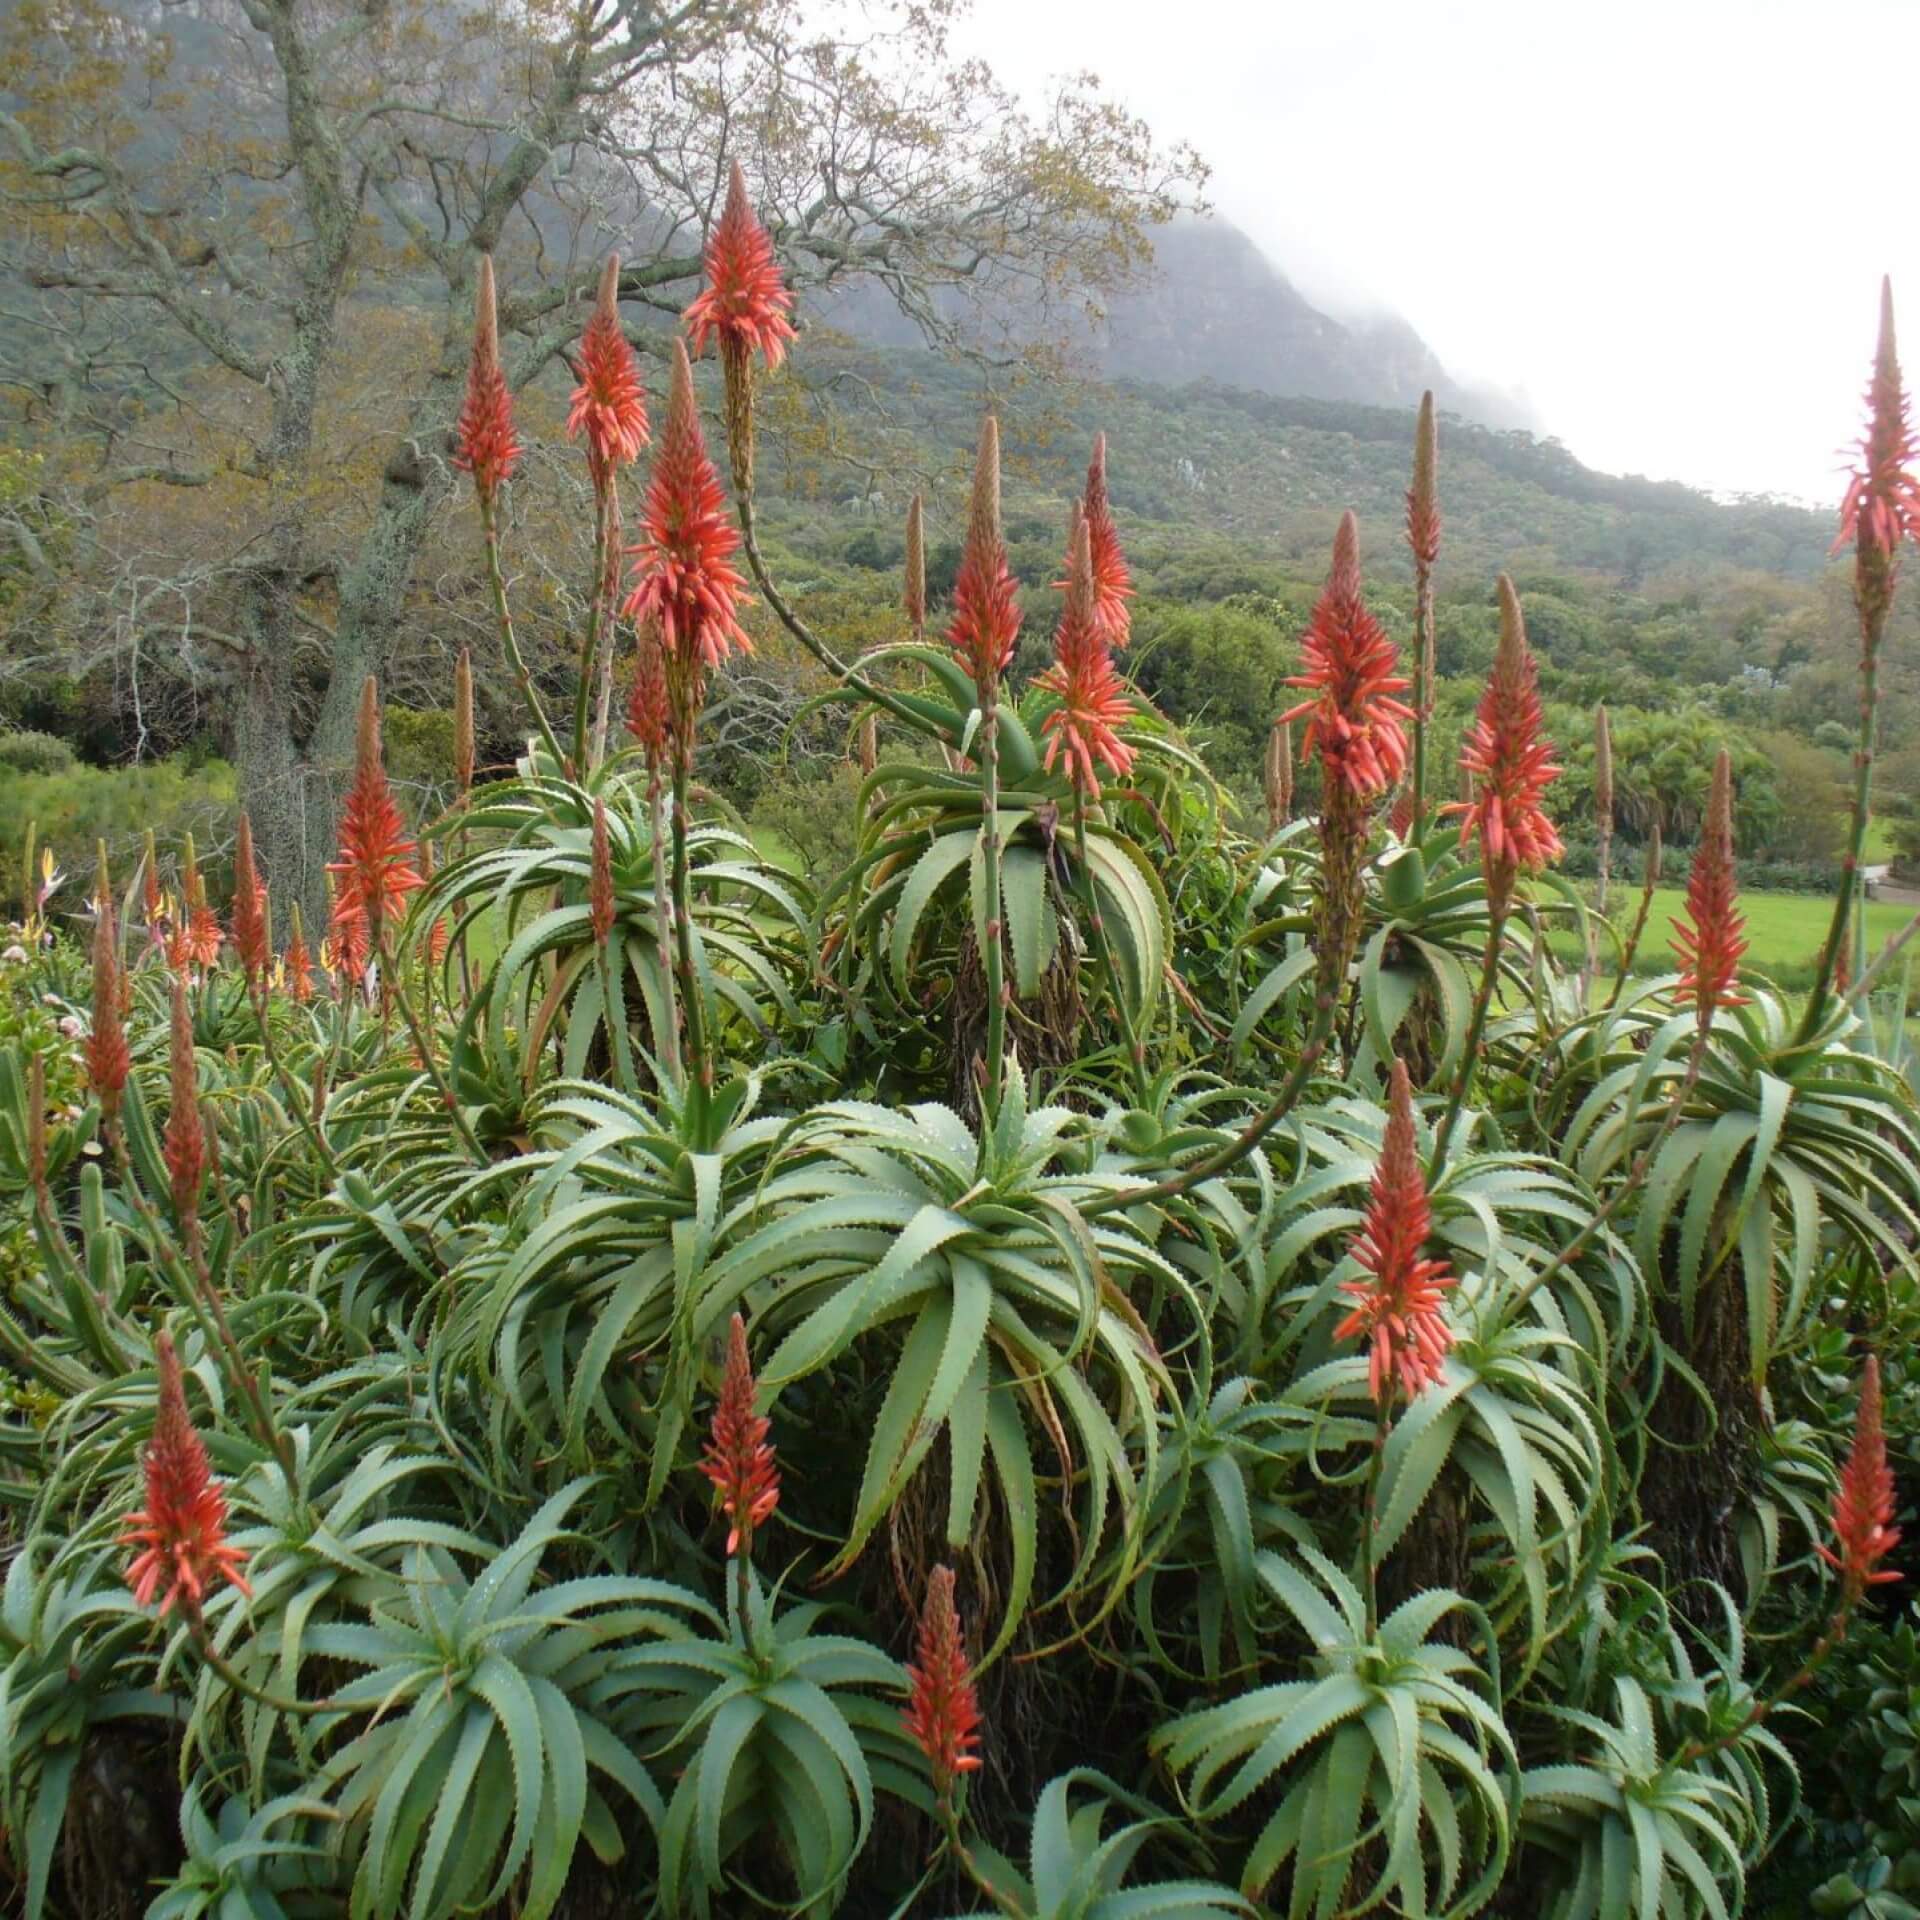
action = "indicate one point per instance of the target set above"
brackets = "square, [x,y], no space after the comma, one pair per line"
[1784,930]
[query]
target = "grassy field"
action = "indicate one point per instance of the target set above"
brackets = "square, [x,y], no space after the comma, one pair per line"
[1784,930]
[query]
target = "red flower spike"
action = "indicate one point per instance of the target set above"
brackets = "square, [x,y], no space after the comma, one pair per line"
[986,600]
[184,1146]
[375,871]
[1712,939]
[1397,1308]
[739,1459]
[649,706]
[182,1531]
[1112,583]
[1348,665]
[609,405]
[943,1711]
[745,302]
[299,962]
[600,905]
[484,443]
[109,1060]
[1863,1528]
[1510,759]
[683,575]
[1093,704]
[1882,503]
[251,940]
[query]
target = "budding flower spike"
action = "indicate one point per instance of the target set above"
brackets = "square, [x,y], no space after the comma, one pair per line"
[1881,507]
[109,1059]
[1510,760]
[739,1458]
[484,442]
[600,900]
[1112,583]
[181,1533]
[986,599]
[463,735]
[250,937]
[375,872]
[299,961]
[943,1711]
[1084,727]
[1355,722]
[1863,1529]
[609,406]
[683,575]
[1711,940]
[1397,1306]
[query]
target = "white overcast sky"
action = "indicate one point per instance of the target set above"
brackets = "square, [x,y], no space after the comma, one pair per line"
[1664,222]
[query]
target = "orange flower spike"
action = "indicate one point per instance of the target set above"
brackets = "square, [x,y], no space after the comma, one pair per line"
[943,1711]
[1712,939]
[1348,665]
[251,940]
[609,406]
[109,1059]
[600,901]
[1882,503]
[1397,1307]
[1084,727]
[184,1145]
[986,600]
[181,1533]
[299,961]
[484,442]
[683,575]
[1112,583]
[1423,497]
[739,1458]
[1863,1529]
[375,872]
[1510,759]
[745,302]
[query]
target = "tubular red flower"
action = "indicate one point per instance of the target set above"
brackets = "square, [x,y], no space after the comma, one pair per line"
[1863,1529]
[1397,1308]
[181,1533]
[299,961]
[649,706]
[1093,704]
[184,1145]
[1882,503]
[1712,939]
[375,872]
[739,1458]
[683,574]
[986,599]
[1509,758]
[1112,583]
[600,903]
[943,1711]
[1348,664]
[745,302]
[109,1060]
[484,439]
[609,405]
[251,940]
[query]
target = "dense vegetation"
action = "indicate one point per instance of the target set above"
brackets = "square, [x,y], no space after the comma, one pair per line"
[1069,1361]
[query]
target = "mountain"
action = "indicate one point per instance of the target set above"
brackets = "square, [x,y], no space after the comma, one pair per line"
[1216,309]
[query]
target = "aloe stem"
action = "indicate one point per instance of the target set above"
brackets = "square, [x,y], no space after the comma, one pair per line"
[699,1069]
[1370,1515]
[992,957]
[590,642]
[1103,949]
[1422,688]
[392,978]
[663,922]
[497,587]
[221,1667]
[1497,910]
